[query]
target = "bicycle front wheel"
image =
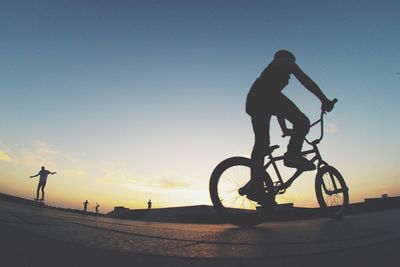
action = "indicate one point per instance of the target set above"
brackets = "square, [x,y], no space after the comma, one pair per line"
[332,192]
[226,180]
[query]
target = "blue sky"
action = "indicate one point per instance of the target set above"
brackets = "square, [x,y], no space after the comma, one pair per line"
[131,100]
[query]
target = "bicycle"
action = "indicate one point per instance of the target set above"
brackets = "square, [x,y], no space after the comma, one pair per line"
[227,195]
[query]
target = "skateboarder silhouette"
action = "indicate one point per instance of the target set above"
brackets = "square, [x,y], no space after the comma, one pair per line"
[43,173]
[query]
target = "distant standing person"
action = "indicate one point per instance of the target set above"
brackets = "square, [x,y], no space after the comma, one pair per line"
[97,207]
[149,204]
[43,173]
[85,205]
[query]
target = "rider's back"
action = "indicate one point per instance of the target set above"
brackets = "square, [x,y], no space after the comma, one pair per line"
[270,83]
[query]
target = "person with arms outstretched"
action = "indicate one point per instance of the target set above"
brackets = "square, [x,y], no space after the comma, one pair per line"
[43,173]
[264,100]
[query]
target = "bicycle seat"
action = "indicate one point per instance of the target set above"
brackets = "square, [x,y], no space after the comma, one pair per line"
[271,149]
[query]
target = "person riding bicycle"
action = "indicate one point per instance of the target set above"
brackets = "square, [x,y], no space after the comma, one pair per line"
[266,99]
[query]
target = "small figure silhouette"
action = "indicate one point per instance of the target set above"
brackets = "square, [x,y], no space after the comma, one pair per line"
[85,204]
[266,99]
[97,207]
[43,173]
[149,204]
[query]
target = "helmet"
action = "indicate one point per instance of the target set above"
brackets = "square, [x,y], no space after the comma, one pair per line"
[284,54]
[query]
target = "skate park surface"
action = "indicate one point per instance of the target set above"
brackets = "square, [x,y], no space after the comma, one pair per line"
[38,236]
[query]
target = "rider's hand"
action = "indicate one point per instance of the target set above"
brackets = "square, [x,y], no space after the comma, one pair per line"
[328,105]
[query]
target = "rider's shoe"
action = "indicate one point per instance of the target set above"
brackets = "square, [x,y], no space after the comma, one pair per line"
[298,162]
[256,192]
[267,201]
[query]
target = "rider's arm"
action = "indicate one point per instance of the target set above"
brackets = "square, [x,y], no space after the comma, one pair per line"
[35,175]
[327,105]
[308,83]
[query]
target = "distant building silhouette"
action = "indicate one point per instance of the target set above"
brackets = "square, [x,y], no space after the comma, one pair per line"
[120,209]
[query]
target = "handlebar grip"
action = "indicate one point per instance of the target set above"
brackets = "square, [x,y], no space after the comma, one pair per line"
[327,107]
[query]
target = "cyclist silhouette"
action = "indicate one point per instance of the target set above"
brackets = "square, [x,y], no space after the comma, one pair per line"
[266,99]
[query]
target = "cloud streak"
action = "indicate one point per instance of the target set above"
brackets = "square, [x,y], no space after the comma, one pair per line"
[332,128]
[4,156]
[42,153]
[73,173]
[119,177]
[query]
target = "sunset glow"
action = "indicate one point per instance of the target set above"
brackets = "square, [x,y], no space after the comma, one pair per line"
[135,100]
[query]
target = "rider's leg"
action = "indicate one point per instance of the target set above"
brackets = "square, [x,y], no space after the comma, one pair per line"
[260,124]
[43,185]
[256,190]
[37,191]
[301,125]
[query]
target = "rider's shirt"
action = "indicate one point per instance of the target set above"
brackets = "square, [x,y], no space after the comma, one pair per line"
[271,83]
[43,176]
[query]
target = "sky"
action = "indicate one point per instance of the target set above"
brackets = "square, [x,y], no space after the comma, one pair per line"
[135,100]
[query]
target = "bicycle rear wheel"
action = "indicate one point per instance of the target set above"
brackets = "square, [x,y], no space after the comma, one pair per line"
[332,192]
[226,180]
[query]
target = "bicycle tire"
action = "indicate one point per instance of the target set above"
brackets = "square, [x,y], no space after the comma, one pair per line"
[333,202]
[239,216]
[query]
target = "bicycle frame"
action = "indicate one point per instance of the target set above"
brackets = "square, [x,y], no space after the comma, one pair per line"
[281,186]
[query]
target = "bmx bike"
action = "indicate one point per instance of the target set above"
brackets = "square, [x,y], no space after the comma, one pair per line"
[231,175]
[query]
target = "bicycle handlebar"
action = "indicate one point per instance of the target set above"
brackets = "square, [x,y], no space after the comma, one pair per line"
[323,112]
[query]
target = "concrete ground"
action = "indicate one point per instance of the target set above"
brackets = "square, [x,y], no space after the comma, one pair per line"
[35,236]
